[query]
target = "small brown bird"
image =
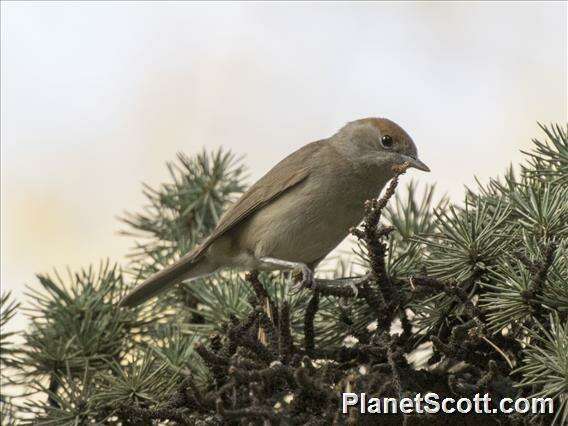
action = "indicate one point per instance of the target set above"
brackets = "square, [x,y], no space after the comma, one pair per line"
[300,210]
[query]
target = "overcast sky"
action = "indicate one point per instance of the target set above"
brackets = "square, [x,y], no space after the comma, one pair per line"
[97,96]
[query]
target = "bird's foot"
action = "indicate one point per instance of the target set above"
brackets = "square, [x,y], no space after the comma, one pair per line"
[298,270]
[303,277]
[345,302]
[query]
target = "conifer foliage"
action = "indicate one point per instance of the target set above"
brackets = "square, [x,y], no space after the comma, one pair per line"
[455,298]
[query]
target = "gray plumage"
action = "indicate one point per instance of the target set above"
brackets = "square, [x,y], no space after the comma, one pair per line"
[300,210]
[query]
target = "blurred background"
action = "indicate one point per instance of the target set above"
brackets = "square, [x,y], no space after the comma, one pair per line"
[97,96]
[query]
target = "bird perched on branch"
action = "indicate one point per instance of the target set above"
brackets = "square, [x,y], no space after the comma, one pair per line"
[300,210]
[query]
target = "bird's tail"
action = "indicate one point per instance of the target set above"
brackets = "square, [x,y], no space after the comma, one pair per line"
[188,267]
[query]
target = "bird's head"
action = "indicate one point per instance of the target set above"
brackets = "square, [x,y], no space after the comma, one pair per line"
[378,142]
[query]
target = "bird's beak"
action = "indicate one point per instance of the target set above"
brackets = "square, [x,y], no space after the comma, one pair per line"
[416,163]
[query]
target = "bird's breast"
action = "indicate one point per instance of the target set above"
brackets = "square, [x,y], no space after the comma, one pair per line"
[310,220]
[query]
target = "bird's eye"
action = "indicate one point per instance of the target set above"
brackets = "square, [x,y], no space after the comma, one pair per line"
[386,141]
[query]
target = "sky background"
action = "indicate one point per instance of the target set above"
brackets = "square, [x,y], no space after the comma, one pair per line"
[97,96]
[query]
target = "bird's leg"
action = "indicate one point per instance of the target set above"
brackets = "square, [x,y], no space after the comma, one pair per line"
[307,273]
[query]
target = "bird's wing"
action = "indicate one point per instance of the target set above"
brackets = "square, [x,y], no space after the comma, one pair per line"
[288,173]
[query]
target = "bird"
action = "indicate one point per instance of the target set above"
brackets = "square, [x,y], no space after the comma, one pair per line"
[299,211]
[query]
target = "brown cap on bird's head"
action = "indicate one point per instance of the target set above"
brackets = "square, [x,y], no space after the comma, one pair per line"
[391,139]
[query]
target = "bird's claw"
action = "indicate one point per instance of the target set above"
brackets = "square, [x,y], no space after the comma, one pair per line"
[355,289]
[344,302]
[306,281]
